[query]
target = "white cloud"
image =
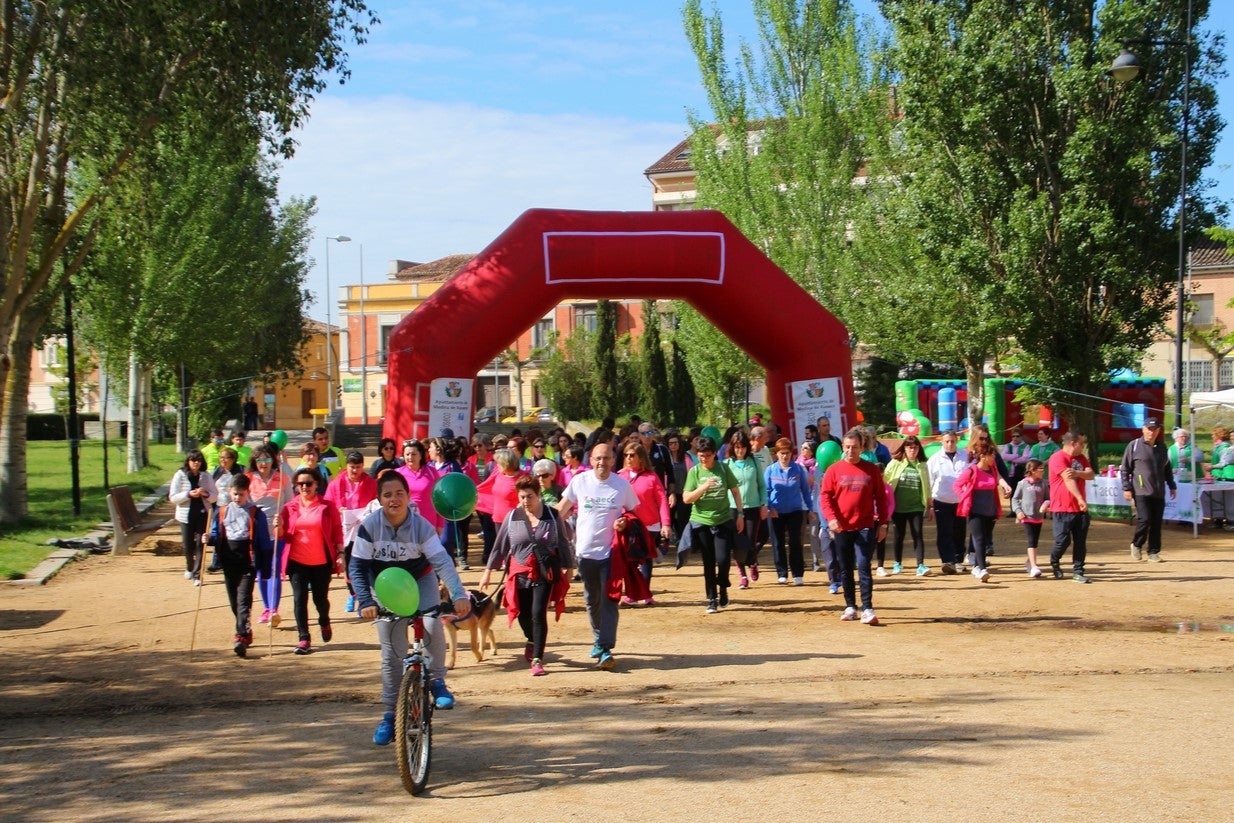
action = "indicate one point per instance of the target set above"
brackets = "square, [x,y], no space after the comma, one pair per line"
[417,181]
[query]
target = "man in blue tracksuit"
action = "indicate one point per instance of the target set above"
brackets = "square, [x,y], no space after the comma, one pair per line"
[1146,473]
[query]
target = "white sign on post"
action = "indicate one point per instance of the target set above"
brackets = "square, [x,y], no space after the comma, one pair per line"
[812,399]
[450,406]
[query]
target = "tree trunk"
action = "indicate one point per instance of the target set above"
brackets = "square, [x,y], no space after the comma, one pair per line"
[14,496]
[147,393]
[135,461]
[975,372]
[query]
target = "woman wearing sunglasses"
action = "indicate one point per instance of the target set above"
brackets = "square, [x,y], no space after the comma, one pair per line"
[313,531]
[387,458]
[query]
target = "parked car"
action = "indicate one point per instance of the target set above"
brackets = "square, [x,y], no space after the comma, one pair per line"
[488,414]
[532,415]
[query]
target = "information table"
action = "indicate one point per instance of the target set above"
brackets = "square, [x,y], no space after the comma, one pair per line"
[1105,499]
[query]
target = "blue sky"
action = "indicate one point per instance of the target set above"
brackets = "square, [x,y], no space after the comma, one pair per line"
[458,117]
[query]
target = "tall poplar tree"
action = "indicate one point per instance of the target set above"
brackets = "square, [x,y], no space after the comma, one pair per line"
[1048,190]
[606,391]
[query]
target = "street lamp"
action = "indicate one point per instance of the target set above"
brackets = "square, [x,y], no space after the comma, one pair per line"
[363,347]
[341,238]
[1125,68]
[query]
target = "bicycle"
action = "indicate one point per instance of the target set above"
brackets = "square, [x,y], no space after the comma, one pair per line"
[413,716]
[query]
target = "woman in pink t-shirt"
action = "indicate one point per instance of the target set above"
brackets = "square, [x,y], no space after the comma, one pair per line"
[313,531]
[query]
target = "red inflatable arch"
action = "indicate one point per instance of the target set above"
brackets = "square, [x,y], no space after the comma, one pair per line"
[548,256]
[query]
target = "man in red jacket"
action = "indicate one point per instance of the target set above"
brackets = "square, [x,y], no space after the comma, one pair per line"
[853,498]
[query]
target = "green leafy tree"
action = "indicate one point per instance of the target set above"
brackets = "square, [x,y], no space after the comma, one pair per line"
[606,387]
[1025,153]
[683,401]
[88,83]
[789,129]
[567,376]
[655,387]
[718,371]
[194,264]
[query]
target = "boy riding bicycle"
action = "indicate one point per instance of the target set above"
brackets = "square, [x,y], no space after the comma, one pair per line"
[397,535]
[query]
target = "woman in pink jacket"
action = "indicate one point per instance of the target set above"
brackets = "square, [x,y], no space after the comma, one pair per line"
[652,500]
[977,489]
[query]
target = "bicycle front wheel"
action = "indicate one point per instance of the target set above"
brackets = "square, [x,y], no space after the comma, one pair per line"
[413,730]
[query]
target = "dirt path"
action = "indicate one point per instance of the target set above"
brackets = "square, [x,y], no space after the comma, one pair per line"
[1021,700]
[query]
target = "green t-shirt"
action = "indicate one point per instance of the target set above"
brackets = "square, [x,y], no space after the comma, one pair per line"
[712,508]
[908,492]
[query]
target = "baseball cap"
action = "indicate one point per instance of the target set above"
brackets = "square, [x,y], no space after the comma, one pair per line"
[1152,423]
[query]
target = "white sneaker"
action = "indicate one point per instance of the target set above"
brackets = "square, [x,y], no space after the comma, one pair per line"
[197,582]
[188,575]
[881,572]
[783,580]
[799,581]
[1034,572]
[981,574]
[849,614]
[1136,553]
[869,618]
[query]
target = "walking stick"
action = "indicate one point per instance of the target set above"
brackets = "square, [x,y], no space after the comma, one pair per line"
[201,548]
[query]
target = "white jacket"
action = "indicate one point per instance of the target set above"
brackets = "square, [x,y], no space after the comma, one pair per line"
[180,488]
[943,470]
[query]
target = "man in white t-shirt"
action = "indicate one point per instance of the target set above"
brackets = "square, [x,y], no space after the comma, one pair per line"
[601,498]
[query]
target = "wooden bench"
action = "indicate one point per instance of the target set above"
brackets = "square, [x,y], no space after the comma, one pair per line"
[126,522]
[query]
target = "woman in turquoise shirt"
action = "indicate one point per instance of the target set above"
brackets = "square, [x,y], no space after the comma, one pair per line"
[753,487]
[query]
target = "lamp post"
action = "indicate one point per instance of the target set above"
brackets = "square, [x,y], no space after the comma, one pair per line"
[341,238]
[363,347]
[1124,69]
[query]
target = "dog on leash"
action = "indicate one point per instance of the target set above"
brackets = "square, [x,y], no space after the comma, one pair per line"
[480,624]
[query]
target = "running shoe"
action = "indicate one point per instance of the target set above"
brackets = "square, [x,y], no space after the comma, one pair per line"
[385,730]
[1056,569]
[265,616]
[922,570]
[1136,554]
[239,646]
[712,606]
[835,588]
[442,698]
[650,601]
[754,571]
[537,668]
[327,633]
[981,574]
[304,647]
[1079,577]
[782,580]
[880,571]
[849,614]
[869,618]
[897,568]
[799,581]
[1034,572]
[949,568]
[1155,558]
[606,662]
[744,583]
[351,604]
[626,601]
[596,651]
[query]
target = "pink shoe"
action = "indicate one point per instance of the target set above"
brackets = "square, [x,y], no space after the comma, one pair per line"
[650,601]
[754,571]
[625,601]
[265,617]
[537,669]
[744,583]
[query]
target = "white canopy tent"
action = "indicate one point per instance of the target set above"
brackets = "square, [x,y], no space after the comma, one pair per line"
[1201,400]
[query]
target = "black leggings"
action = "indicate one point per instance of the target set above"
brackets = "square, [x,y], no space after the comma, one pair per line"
[533,615]
[913,522]
[788,537]
[190,539]
[302,577]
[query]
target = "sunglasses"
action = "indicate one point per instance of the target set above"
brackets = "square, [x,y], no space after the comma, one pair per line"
[543,475]
[308,484]
[264,460]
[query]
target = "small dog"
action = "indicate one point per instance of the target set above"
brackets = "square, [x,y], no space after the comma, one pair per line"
[480,624]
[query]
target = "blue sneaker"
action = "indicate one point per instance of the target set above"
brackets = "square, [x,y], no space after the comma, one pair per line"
[442,698]
[385,730]
[606,661]
[596,651]
[351,603]
[835,588]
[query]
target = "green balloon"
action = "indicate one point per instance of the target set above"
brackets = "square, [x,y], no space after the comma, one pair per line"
[279,438]
[826,454]
[454,496]
[397,591]
[712,432]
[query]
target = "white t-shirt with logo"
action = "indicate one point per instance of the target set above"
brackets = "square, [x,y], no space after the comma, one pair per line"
[598,503]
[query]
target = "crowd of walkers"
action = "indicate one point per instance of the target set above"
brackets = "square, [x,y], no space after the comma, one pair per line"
[606,509]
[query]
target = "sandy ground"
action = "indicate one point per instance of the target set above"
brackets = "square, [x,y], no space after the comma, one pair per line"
[1017,700]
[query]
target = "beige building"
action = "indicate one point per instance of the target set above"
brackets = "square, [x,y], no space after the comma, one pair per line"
[1210,289]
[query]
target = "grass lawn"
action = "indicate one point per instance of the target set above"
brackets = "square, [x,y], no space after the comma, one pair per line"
[24,545]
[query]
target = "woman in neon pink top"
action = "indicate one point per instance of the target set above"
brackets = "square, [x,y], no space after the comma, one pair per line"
[652,500]
[977,489]
[421,477]
[313,530]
